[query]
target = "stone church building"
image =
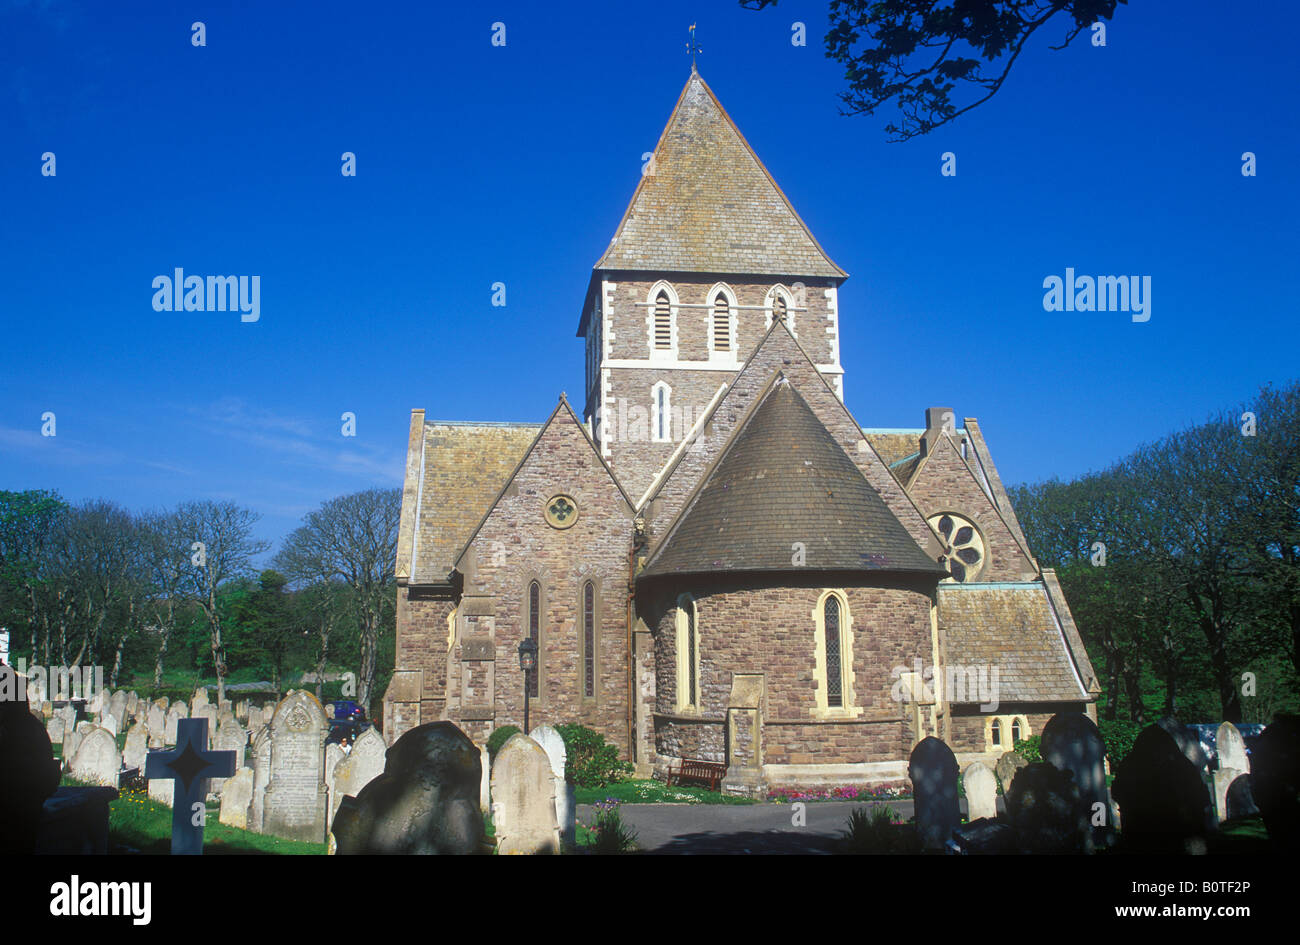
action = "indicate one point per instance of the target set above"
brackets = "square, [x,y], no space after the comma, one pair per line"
[715,559]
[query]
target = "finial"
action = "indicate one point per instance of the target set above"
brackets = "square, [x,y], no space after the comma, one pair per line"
[693,47]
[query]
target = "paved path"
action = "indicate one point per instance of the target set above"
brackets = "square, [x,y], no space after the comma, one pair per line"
[737,828]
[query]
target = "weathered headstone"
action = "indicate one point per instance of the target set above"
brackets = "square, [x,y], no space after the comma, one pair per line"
[1162,799]
[109,723]
[72,740]
[1044,806]
[208,712]
[296,802]
[54,730]
[1222,779]
[117,705]
[97,760]
[261,776]
[981,792]
[425,802]
[236,797]
[485,780]
[189,766]
[933,771]
[132,702]
[157,722]
[200,698]
[1071,742]
[363,764]
[1007,766]
[136,746]
[232,737]
[174,714]
[1231,748]
[523,798]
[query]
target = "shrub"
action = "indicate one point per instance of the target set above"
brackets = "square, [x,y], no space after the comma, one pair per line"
[591,763]
[498,738]
[612,835]
[1030,748]
[873,830]
[1119,737]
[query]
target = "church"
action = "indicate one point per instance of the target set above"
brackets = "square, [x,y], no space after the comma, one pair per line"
[714,558]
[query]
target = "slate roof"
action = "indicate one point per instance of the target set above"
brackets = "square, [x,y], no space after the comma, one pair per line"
[783,479]
[1014,628]
[711,205]
[463,468]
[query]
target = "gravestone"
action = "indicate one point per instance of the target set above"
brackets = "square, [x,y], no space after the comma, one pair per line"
[1231,748]
[241,710]
[523,798]
[200,698]
[157,722]
[1072,743]
[261,776]
[54,730]
[208,712]
[132,702]
[296,803]
[136,747]
[117,705]
[225,717]
[1240,800]
[1189,743]
[933,771]
[334,755]
[1275,781]
[363,764]
[1044,806]
[981,792]
[1222,779]
[1007,766]
[485,780]
[425,802]
[189,766]
[553,744]
[1163,801]
[236,797]
[161,791]
[72,740]
[69,713]
[162,703]
[174,714]
[232,737]
[109,723]
[97,760]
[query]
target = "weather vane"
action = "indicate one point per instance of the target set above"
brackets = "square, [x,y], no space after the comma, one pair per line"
[693,47]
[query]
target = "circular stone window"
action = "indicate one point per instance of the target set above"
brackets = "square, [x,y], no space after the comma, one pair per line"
[966,560]
[561,511]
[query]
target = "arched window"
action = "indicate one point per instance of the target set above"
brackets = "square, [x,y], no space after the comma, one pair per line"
[534,631]
[997,732]
[834,669]
[589,639]
[688,655]
[661,408]
[721,324]
[780,307]
[663,322]
[1015,732]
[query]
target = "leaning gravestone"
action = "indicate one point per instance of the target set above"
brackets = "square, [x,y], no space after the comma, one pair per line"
[425,802]
[236,796]
[933,771]
[97,760]
[136,746]
[1072,743]
[261,775]
[296,802]
[523,798]
[1162,799]
[363,764]
[1007,766]
[1275,781]
[1231,748]
[981,792]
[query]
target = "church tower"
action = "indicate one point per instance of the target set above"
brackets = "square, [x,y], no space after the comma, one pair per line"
[708,253]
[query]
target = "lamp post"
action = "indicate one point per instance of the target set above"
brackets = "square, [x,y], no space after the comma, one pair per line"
[528,663]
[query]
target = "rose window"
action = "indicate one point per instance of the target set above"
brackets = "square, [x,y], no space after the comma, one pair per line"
[561,511]
[966,558]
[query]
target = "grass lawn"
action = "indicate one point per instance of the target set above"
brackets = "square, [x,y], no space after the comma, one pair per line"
[654,792]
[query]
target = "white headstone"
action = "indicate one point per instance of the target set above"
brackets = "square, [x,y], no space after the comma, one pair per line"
[981,792]
[1230,748]
[236,798]
[230,737]
[174,714]
[485,781]
[97,760]
[200,698]
[157,722]
[136,746]
[261,775]
[208,712]
[334,755]
[108,722]
[54,729]
[523,799]
[553,745]
[1223,778]
[364,763]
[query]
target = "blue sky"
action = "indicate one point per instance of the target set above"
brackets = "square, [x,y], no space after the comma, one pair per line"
[478,164]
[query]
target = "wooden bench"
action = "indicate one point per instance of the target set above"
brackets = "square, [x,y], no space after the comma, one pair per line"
[693,769]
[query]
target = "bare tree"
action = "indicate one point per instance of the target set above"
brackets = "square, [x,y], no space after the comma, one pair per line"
[165,537]
[352,539]
[222,548]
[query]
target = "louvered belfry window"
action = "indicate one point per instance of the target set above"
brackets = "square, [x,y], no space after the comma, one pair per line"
[834,675]
[721,324]
[534,627]
[778,308]
[589,639]
[663,322]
